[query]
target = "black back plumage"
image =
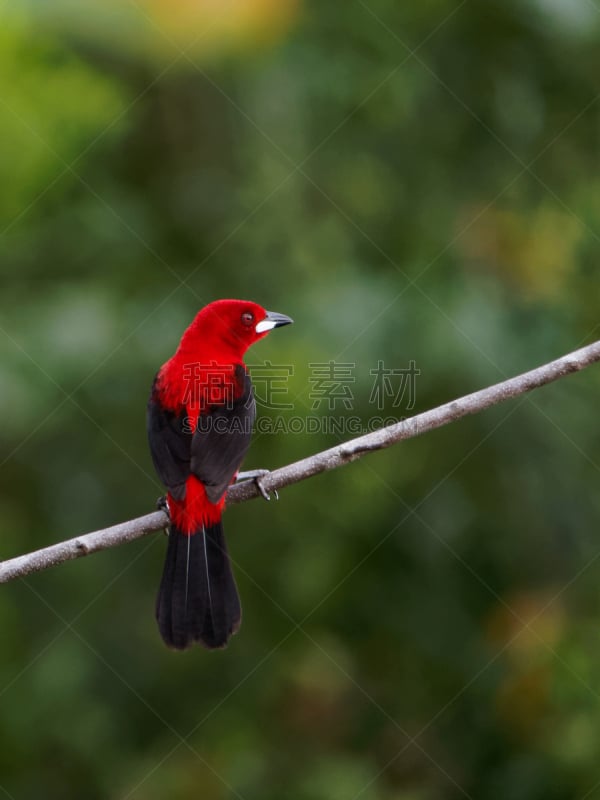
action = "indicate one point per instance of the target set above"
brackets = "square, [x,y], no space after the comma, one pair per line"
[198,599]
[213,451]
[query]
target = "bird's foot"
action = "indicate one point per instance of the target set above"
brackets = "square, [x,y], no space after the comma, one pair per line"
[257,475]
[162,505]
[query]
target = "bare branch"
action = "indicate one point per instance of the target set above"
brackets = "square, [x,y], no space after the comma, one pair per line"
[82,546]
[319,462]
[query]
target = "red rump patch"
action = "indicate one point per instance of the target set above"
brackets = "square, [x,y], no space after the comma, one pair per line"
[195,511]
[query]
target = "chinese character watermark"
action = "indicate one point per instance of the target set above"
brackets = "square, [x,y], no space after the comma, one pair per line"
[394,384]
[215,388]
[270,383]
[207,385]
[331,383]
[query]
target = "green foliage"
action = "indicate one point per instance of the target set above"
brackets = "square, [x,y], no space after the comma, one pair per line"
[43,129]
[407,181]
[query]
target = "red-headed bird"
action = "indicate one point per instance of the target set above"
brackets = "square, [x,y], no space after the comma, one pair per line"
[200,416]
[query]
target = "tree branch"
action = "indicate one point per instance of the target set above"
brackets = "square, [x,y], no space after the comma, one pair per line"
[320,462]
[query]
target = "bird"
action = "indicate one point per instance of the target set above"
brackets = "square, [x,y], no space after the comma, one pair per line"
[199,422]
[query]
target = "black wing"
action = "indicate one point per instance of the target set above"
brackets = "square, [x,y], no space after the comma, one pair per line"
[222,439]
[213,453]
[170,445]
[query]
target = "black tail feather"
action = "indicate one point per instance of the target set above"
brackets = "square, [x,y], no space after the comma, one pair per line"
[198,600]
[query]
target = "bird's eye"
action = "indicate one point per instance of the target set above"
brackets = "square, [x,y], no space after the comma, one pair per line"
[247,318]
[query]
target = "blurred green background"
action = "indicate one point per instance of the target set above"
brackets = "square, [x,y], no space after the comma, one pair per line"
[408,181]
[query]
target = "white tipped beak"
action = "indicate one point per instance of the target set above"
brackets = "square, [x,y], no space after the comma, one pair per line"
[272,320]
[265,325]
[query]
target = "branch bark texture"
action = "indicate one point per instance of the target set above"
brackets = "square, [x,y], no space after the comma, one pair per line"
[313,465]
